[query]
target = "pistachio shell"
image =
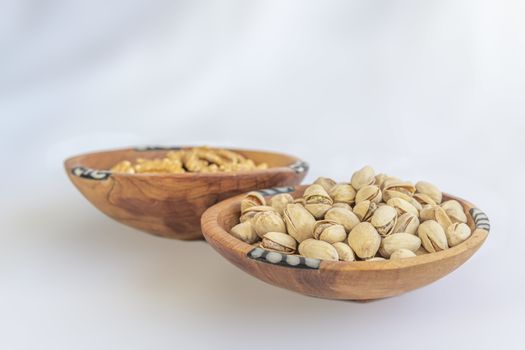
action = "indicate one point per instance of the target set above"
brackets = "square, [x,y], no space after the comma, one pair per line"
[427,213]
[397,241]
[399,186]
[268,221]
[280,242]
[364,240]
[442,217]
[363,177]
[280,201]
[299,222]
[252,199]
[457,233]
[317,201]
[343,193]
[342,205]
[402,254]
[389,194]
[380,179]
[370,193]
[408,223]
[402,206]
[312,248]
[454,210]
[430,190]
[245,232]
[326,182]
[384,220]
[364,210]
[344,251]
[343,217]
[250,213]
[424,199]
[329,231]
[432,236]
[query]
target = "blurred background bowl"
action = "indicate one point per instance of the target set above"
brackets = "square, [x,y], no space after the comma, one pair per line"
[357,280]
[170,205]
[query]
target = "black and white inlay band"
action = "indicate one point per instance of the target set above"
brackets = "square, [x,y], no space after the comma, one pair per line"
[276,258]
[480,219]
[90,174]
[276,190]
[300,166]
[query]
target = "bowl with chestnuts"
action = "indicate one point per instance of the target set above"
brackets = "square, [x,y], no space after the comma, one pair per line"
[164,190]
[371,237]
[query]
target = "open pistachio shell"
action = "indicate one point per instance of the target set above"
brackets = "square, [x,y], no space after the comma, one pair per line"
[280,201]
[252,199]
[250,212]
[364,210]
[408,223]
[343,217]
[326,182]
[312,248]
[370,193]
[344,251]
[384,219]
[430,190]
[397,241]
[363,177]
[457,233]
[329,231]
[402,206]
[432,236]
[343,193]
[299,222]
[279,242]
[268,221]
[402,254]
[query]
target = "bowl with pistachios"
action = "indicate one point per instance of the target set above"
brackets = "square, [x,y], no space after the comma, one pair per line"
[164,190]
[370,237]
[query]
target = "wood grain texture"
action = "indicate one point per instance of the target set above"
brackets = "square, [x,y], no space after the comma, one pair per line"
[170,205]
[360,280]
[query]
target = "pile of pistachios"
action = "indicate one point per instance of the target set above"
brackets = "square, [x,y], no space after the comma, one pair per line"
[372,217]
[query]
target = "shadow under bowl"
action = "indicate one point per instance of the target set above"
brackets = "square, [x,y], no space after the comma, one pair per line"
[170,205]
[357,280]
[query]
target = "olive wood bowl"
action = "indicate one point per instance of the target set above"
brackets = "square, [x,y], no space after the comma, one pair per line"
[170,205]
[357,280]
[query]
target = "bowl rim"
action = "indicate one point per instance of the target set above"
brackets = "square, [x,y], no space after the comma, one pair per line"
[297,165]
[215,234]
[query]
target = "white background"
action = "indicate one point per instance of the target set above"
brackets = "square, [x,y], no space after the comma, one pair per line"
[428,90]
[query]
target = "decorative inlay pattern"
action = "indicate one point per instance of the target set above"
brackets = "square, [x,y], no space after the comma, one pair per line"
[480,219]
[91,174]
[276,258]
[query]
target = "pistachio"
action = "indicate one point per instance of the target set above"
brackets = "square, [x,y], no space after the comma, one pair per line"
[245,232]
[408,223]
[370,193]
[364,240]
[300,201]
[432,236]
[317,201]
[344,251]
[402,206]
[268,221]
[427,212]
[389,194]
[250,212]
[384,220]
[326,182]
[329,231]
[299,222]
[402,254]
[454,210]
[252,199]
[424,199]
[279,242]
[397,185]
[442,217]
[363,177]
[343,193]
[457,233]
[343,217]
[397,241]
[312,248]
[364,210]
[280,201]
[430,190]
[379,179]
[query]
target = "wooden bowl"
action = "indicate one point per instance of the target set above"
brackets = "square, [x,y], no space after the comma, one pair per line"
[170,205]
[358,280]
